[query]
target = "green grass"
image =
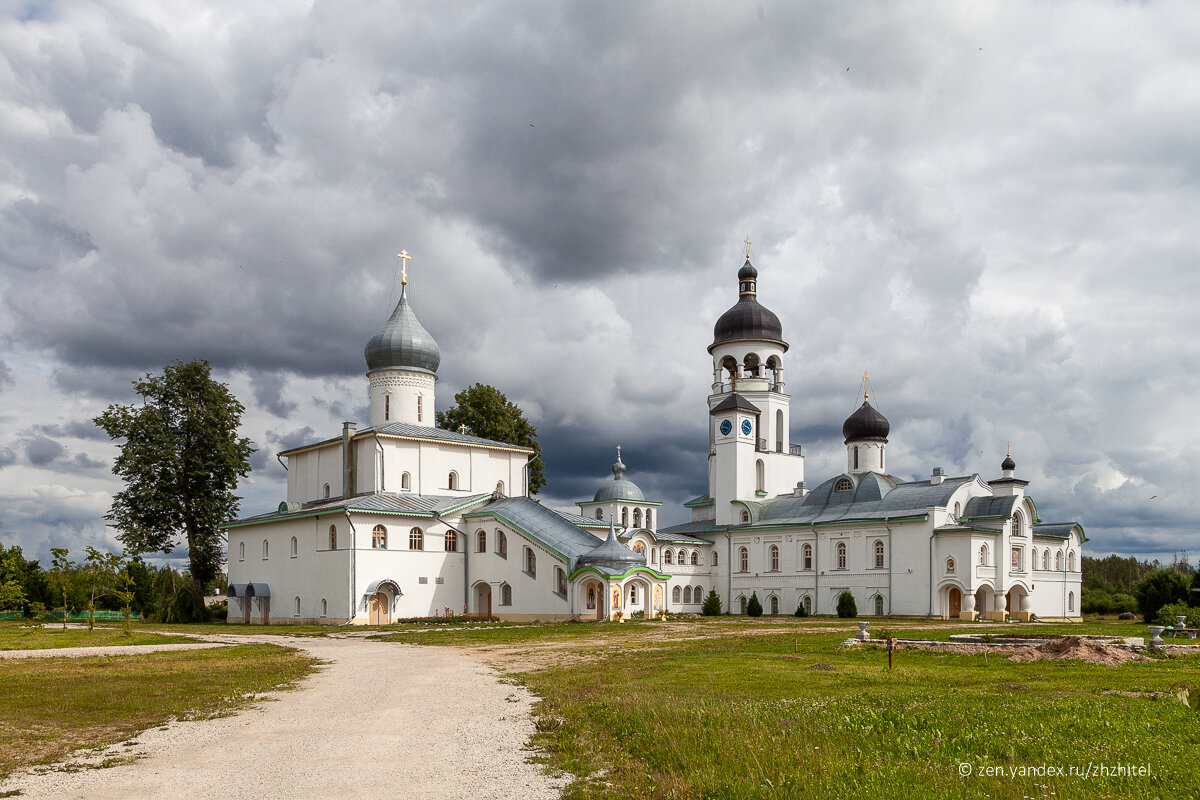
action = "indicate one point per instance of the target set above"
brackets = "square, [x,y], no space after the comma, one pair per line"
[14,636]
[740,712]
[52,706]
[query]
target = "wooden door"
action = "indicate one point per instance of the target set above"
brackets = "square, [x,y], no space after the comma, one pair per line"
[246,601]
[380,613]
[955,602]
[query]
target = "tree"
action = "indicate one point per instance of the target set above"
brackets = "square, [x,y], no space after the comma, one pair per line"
[487,413]
[846,607]
[181,461]
[1160,588]
[712,604]
[97,568]
[754,607]
[62,569]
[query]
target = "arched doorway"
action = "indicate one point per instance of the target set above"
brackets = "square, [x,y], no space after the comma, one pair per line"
[593,601]
[380,609]
[954,596]
[483,599]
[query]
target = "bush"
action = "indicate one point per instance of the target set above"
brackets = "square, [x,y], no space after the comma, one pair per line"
[712,604]
[754,607]
[1168,613]
[801,611]
[1159,588]
[846,607]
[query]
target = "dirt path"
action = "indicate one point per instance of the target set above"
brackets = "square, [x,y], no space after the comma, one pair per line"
[115,650]
[381,720]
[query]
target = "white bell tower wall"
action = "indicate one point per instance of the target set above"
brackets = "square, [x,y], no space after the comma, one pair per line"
[401,395]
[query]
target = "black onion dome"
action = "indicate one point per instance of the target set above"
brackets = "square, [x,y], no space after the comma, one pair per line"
[866,423]
[1008,463]
[747,272]
[748,319]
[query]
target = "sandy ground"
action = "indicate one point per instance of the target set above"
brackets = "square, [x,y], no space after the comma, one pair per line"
[116,650]
[380,720]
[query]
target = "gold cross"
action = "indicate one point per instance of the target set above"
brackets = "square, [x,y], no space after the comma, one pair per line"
[866,384]
[1008,451]
[404,259]
[462,428]
[747,247]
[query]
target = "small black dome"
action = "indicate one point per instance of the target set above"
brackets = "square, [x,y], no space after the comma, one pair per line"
[747,272]
[866,423]
[1008,463]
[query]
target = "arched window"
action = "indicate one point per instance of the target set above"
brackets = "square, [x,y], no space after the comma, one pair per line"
[624,517]
[451,542]
[856,456]
[742,604]
[333,537]
[325,491]
[983,555]
[957,511]
[452,481]
[420,408]
[774,604]
[687,595]
[716,558]
[807,602]
[637,518]
[501,544]
[560,581]
[682,559]
[653,555]
[296,613]
[697,594]
[1046,559]
[1071,561]
[676,595]
[778,425]
[1016,525]
[695,558]
[743,560]
[481,541]
[841,555]
[667,555]
[650,518]
[591,596]
[599,513]
[241,551]
[807,556]
[293,548]
[1058,561]
[531,561]
[1070,601]
[1033,562]
[324,607]
[266,550]
[950,565]
[379,537]
[387,407]
[760,476]
[745,516]
[500,487]
[774,558]
[416,539]
[844,485]
[879,605]
[878,554]
[505,594]
[405,482]
[633,594]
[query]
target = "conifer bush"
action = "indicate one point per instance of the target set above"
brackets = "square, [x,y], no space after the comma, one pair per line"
[712,604]
[846,607]
[754,607]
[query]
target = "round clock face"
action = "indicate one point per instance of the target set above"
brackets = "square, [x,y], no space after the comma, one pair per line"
[726,427]
[747,427]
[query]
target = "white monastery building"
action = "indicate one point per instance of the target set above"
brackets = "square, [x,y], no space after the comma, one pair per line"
[403,519]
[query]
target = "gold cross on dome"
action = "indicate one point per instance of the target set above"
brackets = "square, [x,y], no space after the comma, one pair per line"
[463,429]
[866,385]
[747,247]
[404,259]
[1008,450]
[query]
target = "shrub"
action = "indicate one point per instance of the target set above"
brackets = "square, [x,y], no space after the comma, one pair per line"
[1168,613]
[801,611]
[1159,588]
[754,607]
[846,607]
[712,604]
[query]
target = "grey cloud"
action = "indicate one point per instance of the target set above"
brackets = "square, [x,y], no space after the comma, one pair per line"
[84,461]
[6,376]
[42,451]
[268,392]
[8,457]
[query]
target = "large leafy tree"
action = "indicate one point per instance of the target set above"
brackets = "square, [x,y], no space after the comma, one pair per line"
[181,461]
[487,413]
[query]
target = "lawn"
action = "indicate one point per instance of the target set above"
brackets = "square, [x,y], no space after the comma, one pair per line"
[52,706]
[14,636]
[776,708]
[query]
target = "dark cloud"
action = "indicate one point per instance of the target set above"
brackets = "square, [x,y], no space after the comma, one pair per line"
[8,457]
[84,461]
[6,376]
[268,392]
[42,451]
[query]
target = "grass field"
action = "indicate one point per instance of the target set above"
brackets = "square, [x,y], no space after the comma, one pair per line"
[14,636]
[49,707]
[775,708]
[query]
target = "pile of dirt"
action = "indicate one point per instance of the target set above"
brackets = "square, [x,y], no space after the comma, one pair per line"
[821,665]
[1076,647]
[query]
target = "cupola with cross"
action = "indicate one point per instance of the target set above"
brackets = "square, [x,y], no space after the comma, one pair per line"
[865,432]
[751,455]
[402,361]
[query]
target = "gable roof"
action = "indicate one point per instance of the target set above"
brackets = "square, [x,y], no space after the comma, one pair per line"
[874,498]
[403,504]
[405,430]
[552,529]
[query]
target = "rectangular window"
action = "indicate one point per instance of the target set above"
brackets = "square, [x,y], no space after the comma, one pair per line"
[439,580]
[422,580]
[1016,558]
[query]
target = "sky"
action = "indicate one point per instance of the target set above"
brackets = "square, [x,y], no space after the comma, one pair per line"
[991,207]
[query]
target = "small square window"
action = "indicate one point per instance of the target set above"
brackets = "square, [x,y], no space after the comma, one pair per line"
[422,580]
[439,580]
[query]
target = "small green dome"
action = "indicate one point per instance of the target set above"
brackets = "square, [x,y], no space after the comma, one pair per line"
[403,343]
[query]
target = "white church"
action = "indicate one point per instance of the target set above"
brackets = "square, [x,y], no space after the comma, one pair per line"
[403,519]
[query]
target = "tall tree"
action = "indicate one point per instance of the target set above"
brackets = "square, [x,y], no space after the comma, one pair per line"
[181,461]
[487,413]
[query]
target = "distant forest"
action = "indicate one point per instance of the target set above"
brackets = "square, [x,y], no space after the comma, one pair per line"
[1116,585]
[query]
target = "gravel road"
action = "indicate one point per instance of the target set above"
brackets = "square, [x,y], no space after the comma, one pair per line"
[381,720]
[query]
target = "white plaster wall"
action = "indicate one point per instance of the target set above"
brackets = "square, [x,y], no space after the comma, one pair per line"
[404,387]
